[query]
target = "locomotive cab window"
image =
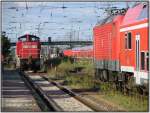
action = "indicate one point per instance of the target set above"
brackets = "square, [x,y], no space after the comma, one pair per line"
[23,39]
[32,38]
[35,39]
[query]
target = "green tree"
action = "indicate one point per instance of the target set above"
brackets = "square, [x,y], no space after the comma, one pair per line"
[5,45]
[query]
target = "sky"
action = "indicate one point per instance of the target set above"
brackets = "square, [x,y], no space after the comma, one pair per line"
[59,20]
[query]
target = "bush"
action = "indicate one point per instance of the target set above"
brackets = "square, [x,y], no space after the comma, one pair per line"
[63,71]
[64,68]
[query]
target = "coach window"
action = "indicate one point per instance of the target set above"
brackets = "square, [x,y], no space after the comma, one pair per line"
[147,61]
[142,60]
[33,39]
[129,36]
[125,40]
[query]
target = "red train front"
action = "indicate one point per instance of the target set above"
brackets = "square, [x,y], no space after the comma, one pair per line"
[28,51]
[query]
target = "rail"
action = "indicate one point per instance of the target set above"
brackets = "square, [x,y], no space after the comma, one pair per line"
[77,96]
[44,103]
[55,104]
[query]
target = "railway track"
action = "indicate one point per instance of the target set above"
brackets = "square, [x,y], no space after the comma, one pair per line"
[58,97]
[46,95]
[16,95]
[41,101]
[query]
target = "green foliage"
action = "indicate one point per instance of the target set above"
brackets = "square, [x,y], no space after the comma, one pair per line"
[85,80]
[54,62]
[75,80]
[5,45]
[52,73]
[127,102]
[64,68]
[61,69]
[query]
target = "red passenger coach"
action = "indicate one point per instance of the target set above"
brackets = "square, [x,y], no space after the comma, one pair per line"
[80,52]
[121,46]
[107,46]
[68,52]
[28,51]
[134,43]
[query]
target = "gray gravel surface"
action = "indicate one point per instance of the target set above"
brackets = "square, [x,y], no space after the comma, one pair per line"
[16,97]
[62,99]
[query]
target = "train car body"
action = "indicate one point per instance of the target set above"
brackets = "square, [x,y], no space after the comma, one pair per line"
[134,43]
[121,46]
[28,51]
[68,52]
[107,44]
[80,52]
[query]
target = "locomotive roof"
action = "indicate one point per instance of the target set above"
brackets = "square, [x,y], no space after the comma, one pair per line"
[106,20]
[28,35]
[143,13]
[135,14]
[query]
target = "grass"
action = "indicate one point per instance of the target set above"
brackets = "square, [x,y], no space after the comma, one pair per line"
[127,102]
[85,80]
[80,82]
[10,65]
[133,103]
[62,71]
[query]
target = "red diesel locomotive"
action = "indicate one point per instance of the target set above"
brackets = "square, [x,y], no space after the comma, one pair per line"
[28,52]
[121,46]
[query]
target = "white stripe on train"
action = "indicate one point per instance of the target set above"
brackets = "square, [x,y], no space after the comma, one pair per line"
[134,27]
[139,75]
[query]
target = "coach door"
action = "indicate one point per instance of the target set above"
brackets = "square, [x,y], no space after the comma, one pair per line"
[137,56]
